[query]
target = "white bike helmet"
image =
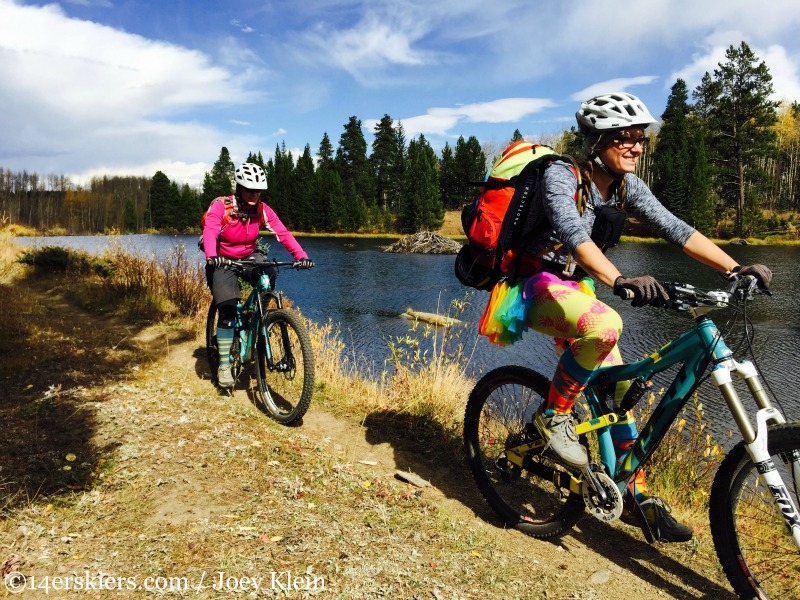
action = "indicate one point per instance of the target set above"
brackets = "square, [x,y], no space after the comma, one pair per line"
[612,111]
[251,176]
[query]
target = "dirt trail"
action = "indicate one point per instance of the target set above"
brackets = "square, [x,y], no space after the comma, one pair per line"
[179,450]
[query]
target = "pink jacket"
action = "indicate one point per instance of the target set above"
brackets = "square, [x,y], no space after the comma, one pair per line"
[238,238]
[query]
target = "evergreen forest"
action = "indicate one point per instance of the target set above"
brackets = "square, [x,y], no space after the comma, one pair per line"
[725,158]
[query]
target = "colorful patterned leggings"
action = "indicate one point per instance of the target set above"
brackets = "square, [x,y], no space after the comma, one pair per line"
[586,332]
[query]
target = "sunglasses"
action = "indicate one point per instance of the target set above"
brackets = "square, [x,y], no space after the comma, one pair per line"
[628,142]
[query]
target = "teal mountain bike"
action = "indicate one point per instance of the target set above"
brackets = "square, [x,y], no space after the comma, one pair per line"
[271,338]
[753,504]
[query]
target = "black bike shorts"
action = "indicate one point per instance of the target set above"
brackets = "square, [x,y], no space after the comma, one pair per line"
[224,283]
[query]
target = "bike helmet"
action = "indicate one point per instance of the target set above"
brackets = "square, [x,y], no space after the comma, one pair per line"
[251,176]
[609,112]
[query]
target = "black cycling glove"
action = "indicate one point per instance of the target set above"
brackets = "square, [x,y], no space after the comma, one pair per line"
[305,263]
[762,274]
[217,262]
[646,290]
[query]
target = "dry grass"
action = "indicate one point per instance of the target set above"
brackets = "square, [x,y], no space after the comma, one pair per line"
[452,225]
[120,458]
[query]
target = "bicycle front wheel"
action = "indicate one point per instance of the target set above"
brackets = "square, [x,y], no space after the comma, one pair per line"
[212,350]
[533,497]
[754,546]
[284,367]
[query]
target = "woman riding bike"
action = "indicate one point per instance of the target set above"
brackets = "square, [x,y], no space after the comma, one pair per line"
[559,300]
[230,231]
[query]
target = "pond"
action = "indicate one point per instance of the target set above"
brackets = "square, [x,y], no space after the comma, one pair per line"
[364,290]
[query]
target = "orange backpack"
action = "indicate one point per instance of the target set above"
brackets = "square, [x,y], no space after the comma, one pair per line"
[494,223]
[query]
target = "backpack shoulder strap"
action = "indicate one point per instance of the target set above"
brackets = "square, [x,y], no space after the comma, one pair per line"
[230,208]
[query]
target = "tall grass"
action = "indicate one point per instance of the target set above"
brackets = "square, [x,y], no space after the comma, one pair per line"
[142,287]
[685,463]
[423,383]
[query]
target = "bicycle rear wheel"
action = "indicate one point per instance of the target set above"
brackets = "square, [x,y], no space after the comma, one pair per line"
[750,535]
[534,498]
[284,367]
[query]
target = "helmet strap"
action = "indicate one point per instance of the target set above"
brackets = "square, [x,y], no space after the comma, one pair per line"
[617,177]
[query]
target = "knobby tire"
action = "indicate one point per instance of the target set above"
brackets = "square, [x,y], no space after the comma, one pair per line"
[753,544]
[286,381]
[498,416]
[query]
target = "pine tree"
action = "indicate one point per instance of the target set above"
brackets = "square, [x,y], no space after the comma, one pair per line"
[130,222]
[329,191]
[399,169]
[470,167]
[160,210]
[384,152]
[701,200]
[325,152]
[352,163]
[448,179]
[671,166]
[423,210]
[189,211]
[740,118]
[219,182]
[306,202]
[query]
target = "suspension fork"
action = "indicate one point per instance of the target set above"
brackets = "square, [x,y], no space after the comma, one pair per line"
[756,439]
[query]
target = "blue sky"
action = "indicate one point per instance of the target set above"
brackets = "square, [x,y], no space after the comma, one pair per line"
[127,87]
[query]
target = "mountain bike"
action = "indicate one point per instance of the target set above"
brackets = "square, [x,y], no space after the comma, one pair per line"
[753,504]
[271,337]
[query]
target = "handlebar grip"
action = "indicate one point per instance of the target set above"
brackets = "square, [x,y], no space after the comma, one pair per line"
[625,294]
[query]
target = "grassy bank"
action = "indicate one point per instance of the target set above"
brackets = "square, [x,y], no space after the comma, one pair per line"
[122,458]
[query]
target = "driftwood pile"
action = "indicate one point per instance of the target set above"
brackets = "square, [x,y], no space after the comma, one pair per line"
[425,242]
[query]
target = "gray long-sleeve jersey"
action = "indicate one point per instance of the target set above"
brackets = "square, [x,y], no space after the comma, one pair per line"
[555,200]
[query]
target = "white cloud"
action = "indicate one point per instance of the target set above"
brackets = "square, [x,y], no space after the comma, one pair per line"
[370,45]
[439,121]
[75,89]
[612,85]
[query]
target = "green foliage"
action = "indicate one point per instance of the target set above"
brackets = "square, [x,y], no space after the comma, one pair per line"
[219,182]
[740,117]
[671,165]
[162,202]
[382,161]
[352,163]
[422,209]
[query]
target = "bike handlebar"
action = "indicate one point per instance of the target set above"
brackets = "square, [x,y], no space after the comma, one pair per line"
[683,296]
[245,263]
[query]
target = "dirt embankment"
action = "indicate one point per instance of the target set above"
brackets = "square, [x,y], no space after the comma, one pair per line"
[121,460]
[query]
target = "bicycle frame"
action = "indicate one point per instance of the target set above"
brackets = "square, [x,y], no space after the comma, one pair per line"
[696,349]
[247,327]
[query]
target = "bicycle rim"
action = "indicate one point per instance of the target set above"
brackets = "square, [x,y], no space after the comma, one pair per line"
[284,367]
[757,553]
[212,351]
[498,418]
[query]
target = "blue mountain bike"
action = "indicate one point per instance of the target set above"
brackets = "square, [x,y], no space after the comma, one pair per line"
[755,494]
[273,339]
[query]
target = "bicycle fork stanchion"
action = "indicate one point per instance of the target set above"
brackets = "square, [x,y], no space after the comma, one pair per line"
[757,439]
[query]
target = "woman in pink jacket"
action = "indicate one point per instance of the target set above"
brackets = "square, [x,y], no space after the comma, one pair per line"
[230,231]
